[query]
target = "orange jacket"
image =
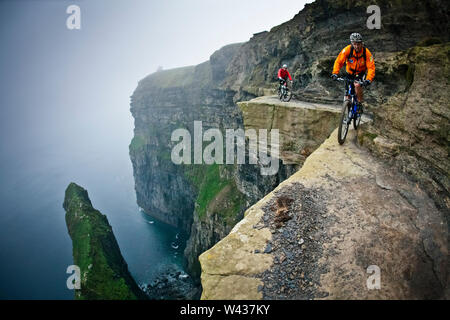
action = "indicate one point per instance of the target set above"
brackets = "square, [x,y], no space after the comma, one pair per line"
[355,64]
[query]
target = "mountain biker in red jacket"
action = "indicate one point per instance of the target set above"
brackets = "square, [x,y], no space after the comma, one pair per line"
[358,60]
[283,75]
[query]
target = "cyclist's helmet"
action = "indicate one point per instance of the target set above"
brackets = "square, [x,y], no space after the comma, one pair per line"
[356,37]
[285,66]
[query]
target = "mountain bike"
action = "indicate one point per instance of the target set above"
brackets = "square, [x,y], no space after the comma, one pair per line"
[284,93]
[351,110]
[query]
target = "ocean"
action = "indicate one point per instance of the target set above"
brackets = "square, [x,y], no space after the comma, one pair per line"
[35,246]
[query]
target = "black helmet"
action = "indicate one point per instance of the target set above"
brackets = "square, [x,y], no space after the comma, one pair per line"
[356,37]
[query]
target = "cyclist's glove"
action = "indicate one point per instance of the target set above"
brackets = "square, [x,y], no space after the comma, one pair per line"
[334,76]
[367,83]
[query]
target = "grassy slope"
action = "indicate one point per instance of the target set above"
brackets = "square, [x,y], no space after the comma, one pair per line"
[215,194]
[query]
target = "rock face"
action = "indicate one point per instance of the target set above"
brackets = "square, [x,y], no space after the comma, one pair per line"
[411,130]
[104,272]
[310,42]
[302,126]
[171,283]
[207,201]
[318,232]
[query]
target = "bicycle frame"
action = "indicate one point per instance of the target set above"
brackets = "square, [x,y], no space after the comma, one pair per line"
[284,86]
[350,91]
[351,109]
[284,92]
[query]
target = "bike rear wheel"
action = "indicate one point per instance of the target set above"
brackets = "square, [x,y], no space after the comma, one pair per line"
[345,122]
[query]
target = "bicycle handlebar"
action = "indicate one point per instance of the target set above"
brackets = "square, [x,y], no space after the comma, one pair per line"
[348,79]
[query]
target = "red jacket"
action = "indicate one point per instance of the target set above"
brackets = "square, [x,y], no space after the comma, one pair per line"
[282,73]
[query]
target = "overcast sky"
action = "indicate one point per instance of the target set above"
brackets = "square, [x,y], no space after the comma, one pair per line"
[72,86]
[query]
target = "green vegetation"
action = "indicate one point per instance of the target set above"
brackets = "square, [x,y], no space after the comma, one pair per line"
[104,272]
[429,42]
[199,76]
[215,193]
[370,135]
[208,182]
[236,203]
[212,184]
[136,143]
[172,78]
[366,136]
[289,146]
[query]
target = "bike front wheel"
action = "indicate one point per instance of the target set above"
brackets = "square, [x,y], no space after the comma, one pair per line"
[345,122]
[287,96]
[280,94]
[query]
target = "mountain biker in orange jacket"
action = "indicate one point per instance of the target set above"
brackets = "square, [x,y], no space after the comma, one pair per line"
[359,60]
[283,74]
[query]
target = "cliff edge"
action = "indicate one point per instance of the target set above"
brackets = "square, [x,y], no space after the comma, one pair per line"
[322,232]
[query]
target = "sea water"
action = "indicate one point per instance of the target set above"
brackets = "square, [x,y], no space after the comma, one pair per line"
[35,247]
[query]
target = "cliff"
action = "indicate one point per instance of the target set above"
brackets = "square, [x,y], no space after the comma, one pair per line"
[318,232]
[104,272]
[204,201]
[207,201]
[411,129]
[310,42]
[381,199]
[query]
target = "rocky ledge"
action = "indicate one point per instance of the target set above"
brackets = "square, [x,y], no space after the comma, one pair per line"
[302,126]
[322,232]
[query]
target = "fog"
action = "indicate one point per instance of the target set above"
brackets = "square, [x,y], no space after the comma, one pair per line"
[64,112]
[56,82]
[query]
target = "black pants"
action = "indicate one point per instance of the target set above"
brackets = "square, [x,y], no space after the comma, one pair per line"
[357,76]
